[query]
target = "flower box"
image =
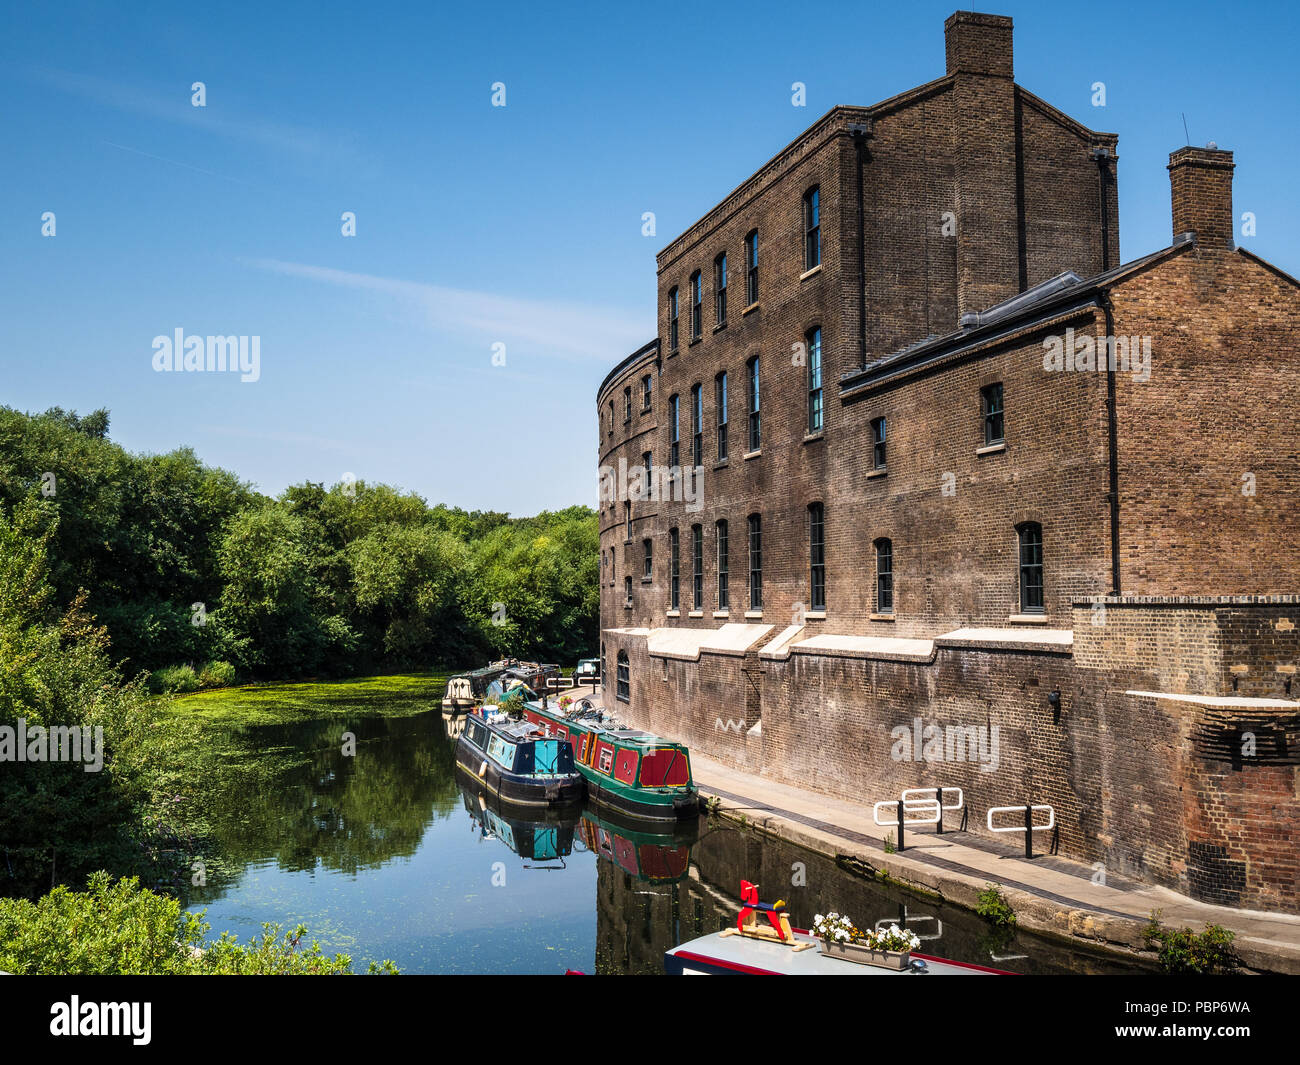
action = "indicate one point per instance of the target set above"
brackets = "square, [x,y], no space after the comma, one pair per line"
[861,954]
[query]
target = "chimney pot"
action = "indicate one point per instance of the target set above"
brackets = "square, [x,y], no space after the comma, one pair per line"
[1200,187]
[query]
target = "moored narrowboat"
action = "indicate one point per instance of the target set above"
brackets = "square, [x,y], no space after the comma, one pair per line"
[517,761]
[466,690]
[636,773]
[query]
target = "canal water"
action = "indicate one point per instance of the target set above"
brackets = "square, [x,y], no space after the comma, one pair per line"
[388,853]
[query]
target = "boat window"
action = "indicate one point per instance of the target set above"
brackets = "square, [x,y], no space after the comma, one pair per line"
[606,759]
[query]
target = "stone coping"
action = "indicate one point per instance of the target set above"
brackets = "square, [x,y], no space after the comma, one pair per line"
[882,647]
[1009,639]
[687,643]
[1279,599]
[1225,701]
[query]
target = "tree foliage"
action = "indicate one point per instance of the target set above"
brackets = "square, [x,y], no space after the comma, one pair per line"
[183,563]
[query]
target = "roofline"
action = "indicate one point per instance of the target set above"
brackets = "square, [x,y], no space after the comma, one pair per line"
[640,352]
[1268,266]
[860,380]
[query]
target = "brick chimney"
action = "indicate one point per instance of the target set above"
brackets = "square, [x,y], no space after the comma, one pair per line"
[1200,185]
[978,44]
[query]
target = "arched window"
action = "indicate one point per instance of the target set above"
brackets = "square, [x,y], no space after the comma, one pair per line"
[817,555]
[624,678]
[878,443]
[674,570]
[697,567]
[1031,567]
[720,412]
[816,417]
[751,268]
[724,596]
[884,576]
[697,310]
[672,319]
[755,562]
[674,432]
[720,288]
[812,228]
[755,402]
[697,425]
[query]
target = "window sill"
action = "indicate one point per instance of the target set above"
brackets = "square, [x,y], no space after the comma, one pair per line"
[878,472]
[753,613]
[751,454]
[815,615]
[991,449]
[647,580]
[674,613]
[720,327]
[623,699]
[694,341]
[696,614]
[812,437]
[722,613]
[673,354]
[627,605]
[1027,619]
[721,465]
[645,410]
[882,617]
[750,309]
[811,273]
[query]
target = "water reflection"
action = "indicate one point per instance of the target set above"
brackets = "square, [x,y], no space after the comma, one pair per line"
[387,852]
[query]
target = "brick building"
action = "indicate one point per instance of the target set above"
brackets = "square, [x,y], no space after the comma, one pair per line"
[934,452]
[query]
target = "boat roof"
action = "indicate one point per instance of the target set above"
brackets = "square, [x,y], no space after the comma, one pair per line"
[745,955]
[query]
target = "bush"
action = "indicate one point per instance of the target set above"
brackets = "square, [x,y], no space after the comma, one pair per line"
[994,908]
[122,929]
[174,679]
[217,675]
[1184,951]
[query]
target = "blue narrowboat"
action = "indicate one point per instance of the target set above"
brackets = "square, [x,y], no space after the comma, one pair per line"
[516,761]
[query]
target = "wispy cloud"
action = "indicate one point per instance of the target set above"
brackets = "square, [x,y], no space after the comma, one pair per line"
[557,327]
[176,108]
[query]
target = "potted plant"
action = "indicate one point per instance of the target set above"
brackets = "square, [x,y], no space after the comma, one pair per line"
[886,948]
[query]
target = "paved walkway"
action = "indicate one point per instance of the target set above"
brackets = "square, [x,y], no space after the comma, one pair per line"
[1049,894]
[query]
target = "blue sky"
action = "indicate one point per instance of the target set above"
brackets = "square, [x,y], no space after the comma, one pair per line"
[479,225]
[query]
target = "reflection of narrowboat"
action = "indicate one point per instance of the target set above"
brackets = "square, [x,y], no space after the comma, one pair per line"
[656,857]
[518,761]
[634,772]
[535,835]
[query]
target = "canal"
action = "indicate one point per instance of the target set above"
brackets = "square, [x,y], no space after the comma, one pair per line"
[359,827]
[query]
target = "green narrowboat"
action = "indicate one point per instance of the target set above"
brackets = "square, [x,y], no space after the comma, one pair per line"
[636,773]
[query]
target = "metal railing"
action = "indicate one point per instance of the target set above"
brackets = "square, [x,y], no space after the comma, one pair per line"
[1028,828]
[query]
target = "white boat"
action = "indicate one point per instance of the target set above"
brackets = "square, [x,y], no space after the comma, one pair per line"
[728,954]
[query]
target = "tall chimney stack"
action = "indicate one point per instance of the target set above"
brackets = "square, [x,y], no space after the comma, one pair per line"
[985,143]
[1200,186]
[978,44]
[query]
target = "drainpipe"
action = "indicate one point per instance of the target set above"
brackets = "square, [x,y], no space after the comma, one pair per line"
[1112,425]
[860,136]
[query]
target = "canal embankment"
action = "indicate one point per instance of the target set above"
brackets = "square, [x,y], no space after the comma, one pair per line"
[1050,895]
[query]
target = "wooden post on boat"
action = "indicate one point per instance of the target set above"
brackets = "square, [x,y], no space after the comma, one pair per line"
[900,825]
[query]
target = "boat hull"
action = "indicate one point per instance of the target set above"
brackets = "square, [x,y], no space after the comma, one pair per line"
[518,788]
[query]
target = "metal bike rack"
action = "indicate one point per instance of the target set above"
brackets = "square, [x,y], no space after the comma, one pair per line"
[935,795]
[1028,828]
[901,809]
